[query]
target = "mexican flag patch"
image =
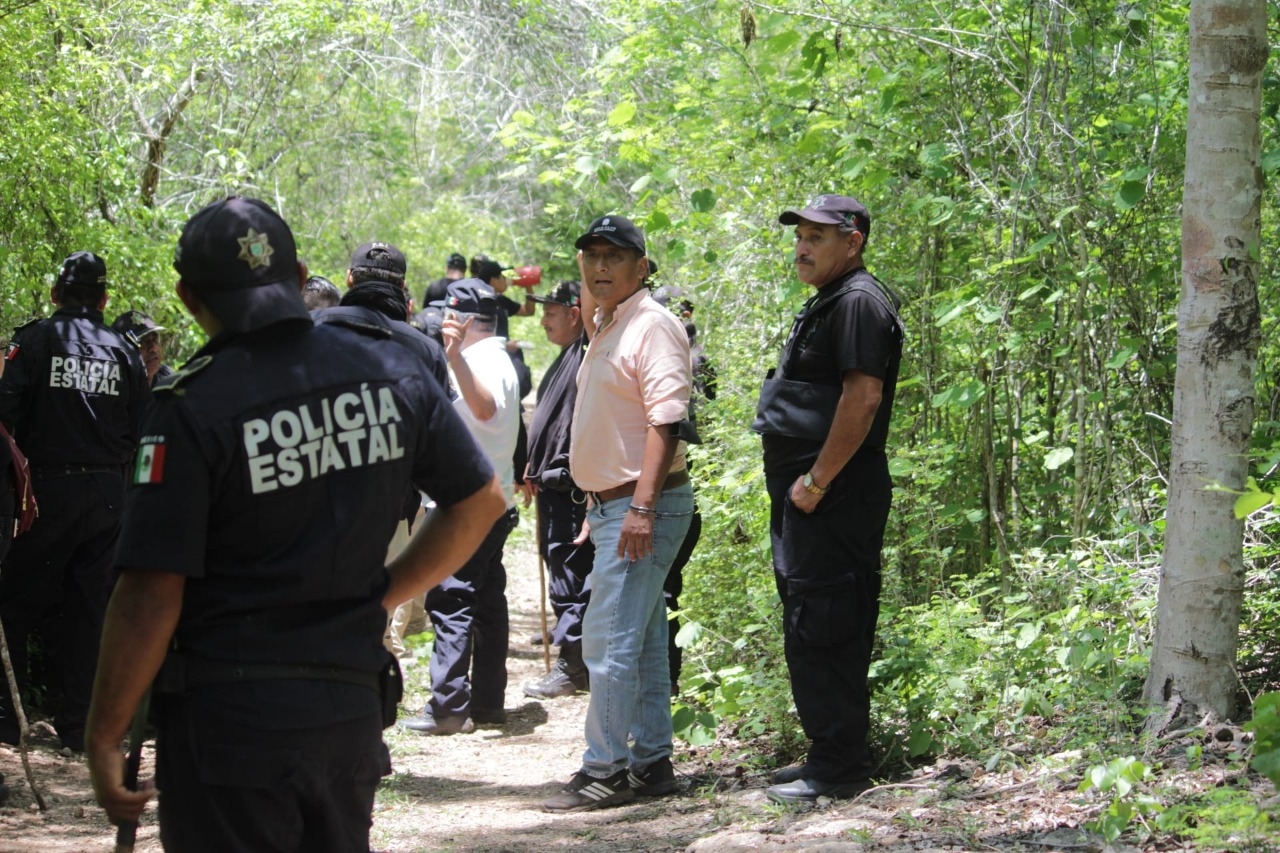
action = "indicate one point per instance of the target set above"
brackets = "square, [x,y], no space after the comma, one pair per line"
[150,466]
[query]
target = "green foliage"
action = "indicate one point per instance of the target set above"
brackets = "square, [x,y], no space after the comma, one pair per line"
[975,670]
[1224,818]
[1265,726]
[1126,781]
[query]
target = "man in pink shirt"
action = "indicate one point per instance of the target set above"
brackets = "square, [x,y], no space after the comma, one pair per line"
[633,394]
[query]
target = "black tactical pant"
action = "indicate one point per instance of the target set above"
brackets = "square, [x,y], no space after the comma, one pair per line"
[225,785]
[827,568]
[56,580]
[469,614]
[671,589]
[560,515]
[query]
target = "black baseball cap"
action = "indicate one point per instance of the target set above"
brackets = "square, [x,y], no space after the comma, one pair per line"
[135,325]
[486,268]
[831,210]
[618,230]
[85,269]
[240,258]
[471,296]
[565,293]
[456,262]
[377,258]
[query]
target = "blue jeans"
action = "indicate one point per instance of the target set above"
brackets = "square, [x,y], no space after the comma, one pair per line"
[624,638]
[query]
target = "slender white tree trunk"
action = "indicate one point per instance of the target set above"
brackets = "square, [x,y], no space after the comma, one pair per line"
[1202,584]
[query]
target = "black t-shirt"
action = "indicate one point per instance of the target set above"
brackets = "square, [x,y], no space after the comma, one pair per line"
[553,416]
[74,391]
[271,473]
[436,291]
[859,330]
[506,307]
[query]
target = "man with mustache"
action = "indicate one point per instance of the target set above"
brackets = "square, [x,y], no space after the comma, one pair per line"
[824,418]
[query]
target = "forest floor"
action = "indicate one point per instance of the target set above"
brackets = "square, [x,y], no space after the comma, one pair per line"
[481,792]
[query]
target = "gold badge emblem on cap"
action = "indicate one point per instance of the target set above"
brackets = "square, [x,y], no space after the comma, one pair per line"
[254,250]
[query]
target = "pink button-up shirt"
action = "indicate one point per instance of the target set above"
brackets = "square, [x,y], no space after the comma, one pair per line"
[636,374]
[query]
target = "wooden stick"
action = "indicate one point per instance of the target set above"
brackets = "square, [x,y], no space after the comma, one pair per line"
[21,716]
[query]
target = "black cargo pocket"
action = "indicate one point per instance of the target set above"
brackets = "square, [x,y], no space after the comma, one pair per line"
[822,616]
[372,766]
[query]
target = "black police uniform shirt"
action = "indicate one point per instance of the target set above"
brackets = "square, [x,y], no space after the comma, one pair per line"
[416,340]
[74,391]
[163,372]
[553,417]
[857,332]
[271,474]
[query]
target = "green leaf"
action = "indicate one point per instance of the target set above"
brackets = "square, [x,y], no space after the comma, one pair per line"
[1057,457]
[960,396]
[703,200]
[1131,192]
[1271,160]
[657,221]
[1121,358]
[690,632]
[587,165]
[919,742]
[1252,501]
[622,114]
[781,43]
[1268,765]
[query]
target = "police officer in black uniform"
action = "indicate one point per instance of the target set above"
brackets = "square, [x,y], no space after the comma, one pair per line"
[268,482]
[824,418]
[139,329]
[376,296]
[562,506]
[73,395]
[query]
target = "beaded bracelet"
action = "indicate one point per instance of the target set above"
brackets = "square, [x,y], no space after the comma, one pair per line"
[642,510]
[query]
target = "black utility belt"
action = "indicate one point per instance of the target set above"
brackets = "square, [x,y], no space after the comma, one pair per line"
[181,673]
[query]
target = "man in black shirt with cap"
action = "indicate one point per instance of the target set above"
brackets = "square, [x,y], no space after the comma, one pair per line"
[252,555]
[139,329]
[824,418]
[376,295]
[73,395]
[562,506]
[455,269]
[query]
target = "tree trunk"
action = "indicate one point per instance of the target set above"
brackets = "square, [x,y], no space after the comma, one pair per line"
[1202,584]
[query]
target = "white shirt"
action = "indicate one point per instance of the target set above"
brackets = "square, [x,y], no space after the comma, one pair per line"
[496,437]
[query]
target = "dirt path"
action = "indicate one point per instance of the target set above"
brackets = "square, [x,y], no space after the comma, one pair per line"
[480,793]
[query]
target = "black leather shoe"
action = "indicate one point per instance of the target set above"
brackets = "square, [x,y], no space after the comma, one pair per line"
[809,790]
[489,716]
[789,774]
[429,725]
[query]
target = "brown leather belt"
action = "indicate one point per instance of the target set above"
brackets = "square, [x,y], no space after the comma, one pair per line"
[626,490]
